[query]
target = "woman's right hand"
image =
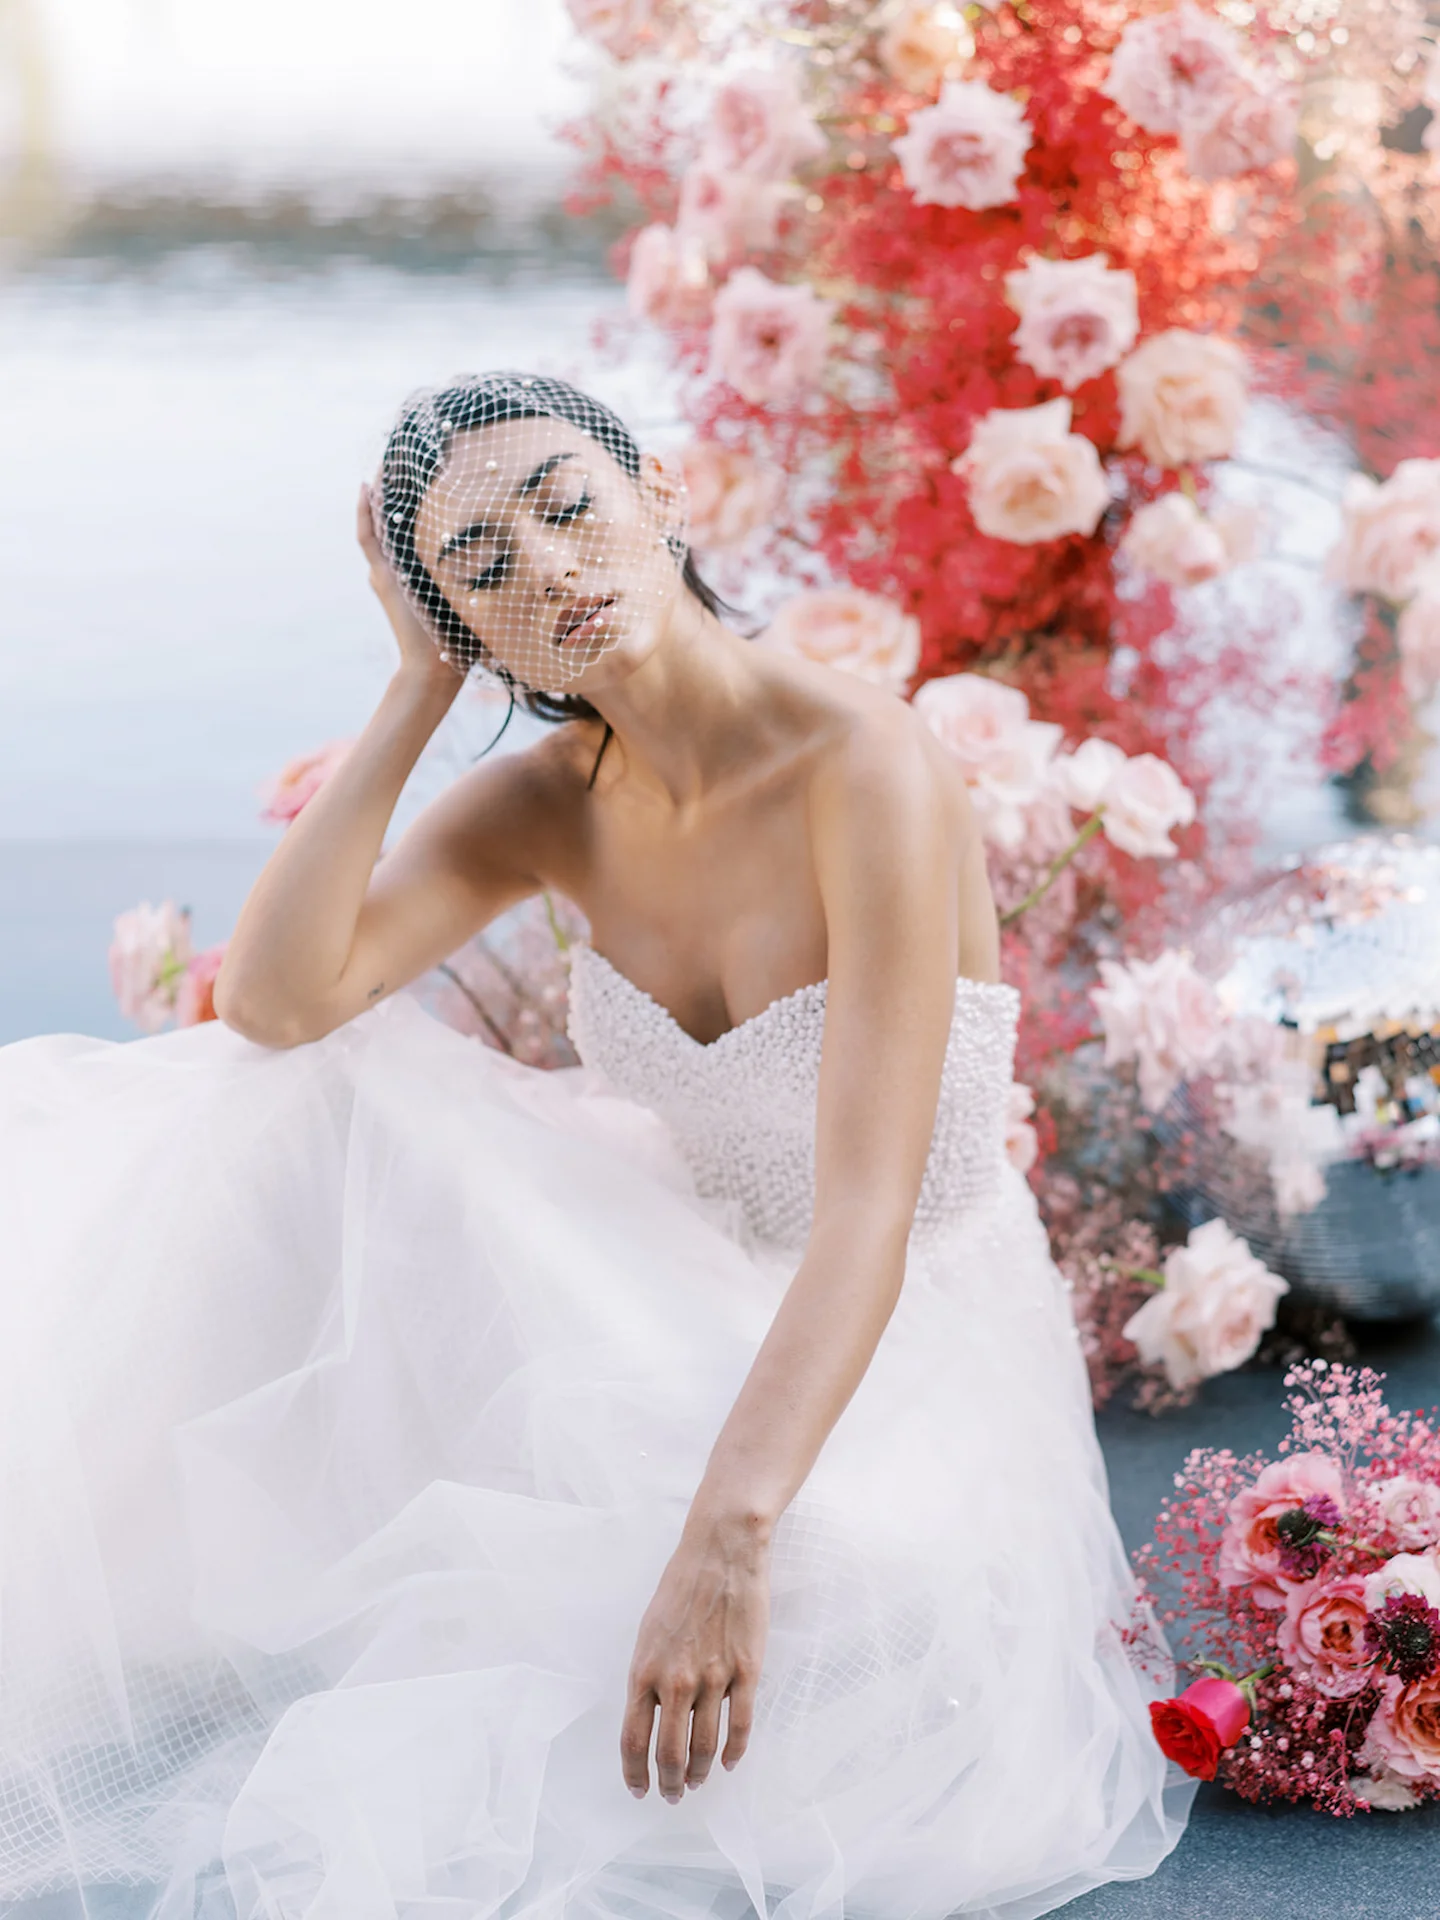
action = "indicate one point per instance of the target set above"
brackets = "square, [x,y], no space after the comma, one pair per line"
[419,655]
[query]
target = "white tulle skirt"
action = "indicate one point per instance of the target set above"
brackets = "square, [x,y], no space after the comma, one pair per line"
[351,1400]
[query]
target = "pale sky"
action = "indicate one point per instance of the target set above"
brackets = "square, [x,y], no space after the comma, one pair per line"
[289,90]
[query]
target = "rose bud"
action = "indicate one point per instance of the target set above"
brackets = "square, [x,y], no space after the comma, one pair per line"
[1194,1729]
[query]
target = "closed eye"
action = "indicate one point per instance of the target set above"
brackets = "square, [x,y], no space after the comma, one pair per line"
[561,517]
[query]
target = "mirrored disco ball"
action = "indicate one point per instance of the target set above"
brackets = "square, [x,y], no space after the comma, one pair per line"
[1328,1160]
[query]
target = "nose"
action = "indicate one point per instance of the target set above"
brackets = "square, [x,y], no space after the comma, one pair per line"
[545,557]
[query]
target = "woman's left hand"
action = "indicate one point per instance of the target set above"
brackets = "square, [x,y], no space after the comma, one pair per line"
[700,1643]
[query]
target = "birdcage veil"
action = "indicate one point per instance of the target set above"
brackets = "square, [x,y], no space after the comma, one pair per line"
[531,558]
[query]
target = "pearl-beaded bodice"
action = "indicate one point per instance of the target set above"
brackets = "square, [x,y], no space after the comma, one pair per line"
[742,1108]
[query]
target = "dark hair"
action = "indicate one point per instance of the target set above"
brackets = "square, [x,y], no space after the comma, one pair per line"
[414,455]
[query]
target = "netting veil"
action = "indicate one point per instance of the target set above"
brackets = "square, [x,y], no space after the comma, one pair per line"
[528,529]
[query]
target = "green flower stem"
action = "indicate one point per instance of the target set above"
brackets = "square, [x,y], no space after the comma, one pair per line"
[489,1025]
[1056,867]
[562,939]
[1152,1276]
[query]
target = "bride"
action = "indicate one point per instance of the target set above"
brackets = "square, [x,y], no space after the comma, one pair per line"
[664,1489]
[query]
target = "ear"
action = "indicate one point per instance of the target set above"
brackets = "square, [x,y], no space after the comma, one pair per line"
[663,479]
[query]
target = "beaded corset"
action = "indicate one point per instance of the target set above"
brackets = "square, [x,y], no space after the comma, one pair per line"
[741,1109]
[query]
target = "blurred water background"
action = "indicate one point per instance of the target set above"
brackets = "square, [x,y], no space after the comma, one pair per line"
[233,239]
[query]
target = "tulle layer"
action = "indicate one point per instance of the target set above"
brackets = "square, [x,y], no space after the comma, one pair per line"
[351,1400]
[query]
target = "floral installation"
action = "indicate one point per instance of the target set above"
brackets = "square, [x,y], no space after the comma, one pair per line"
[1304,1591]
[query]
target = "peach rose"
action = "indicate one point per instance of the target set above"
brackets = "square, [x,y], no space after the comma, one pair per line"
[1022,1144]
[1391,529]
[966,151]
[669,277]
[862,633]
[731,495]
[1030,478]
[1409,1509]
[1403,1737]
[1249,124]
[1077,317]
[1251,1546]
[924,45]
[1173,540]
[1208,1317]
[1004,755]
[1418,634]
[1182,397]
[727,213]
[1161,1016]
[1172,65]
[149,952]
[1323,1635]
[622,27]
[1144,800]
[768,341]
[195,1001]
[759,125]
[299,780]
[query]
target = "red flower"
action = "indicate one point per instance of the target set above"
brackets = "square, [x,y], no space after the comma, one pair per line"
[1195,1729]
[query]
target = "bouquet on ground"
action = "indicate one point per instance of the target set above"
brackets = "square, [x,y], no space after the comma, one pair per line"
[1304,1592]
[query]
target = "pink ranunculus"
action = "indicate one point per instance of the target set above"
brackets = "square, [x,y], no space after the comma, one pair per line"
[731,495]
[1322,1635]
[1208,1317]
[1418,634]
[1251,1547]
[669,278]
[768,341]
[727,213]
[1173,540]
[1171,65]
[1162,1016]
[759,125]
[299,780]
[1004,755]
[1403,1737]
[1030,477]
[1083,777]
[1078,318]
[863,633]
[1022,1143]
[1391,530]
[1409,1509]
[924,45]
[968,150]
[149,952]
[1249,124]
[195,1001]
[623,28]
[1182,397]
[1144,800]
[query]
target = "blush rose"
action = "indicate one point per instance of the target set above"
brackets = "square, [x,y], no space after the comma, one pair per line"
[299,780]
[1182,397]
[1162,1016]
[1409,1509]
[861,633]
[1030,477]
[669,278]
[1208,1317]
[149,952]
[1172,65]
[1391,530]
[1078,318]
[1322,1635]
[768,341]
[1173,540]
[760,126]
[968,150]
[1004,755]
[730,495]
[924,45]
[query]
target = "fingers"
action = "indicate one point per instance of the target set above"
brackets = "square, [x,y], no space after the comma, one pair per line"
[741,1718]
[635,1740]
[673,1739]
[365,528]
[704,1733]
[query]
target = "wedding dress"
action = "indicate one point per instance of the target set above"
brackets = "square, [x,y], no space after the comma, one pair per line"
[351,1400]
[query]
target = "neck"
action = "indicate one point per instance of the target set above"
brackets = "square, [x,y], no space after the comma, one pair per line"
[685,714]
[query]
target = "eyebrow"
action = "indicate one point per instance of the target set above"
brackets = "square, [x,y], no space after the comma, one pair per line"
[485,529]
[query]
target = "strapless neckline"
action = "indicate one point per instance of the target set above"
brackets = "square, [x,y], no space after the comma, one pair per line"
[816,991]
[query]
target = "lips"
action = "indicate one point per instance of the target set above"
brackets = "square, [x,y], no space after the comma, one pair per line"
[576,619]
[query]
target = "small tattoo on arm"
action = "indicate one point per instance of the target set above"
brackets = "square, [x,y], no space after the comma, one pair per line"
[375,992]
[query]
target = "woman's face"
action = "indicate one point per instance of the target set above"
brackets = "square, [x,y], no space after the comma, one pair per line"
[554,558]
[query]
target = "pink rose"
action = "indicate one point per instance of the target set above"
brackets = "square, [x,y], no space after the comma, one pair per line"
[768,341]
[195,1000]
[923,46]
[1077,317]
[1004,755]
[1030,478]
[1162,1016]
[1182,397]
[1251,1547]
[1022,1143]
[731,495]
[1409,1509]
[669,277]
[759,125]
[1402,1573]
[1083,778]
[1143,800]
[1250,123]
[1323,1635]
[1171,65]
[1208,1317]
[622,27]
[727,213]
[966,151]
[1391,529]
[1403,1737]
[862,633]
[1418,634]
[298,782]
[149,952]
[1172,539]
